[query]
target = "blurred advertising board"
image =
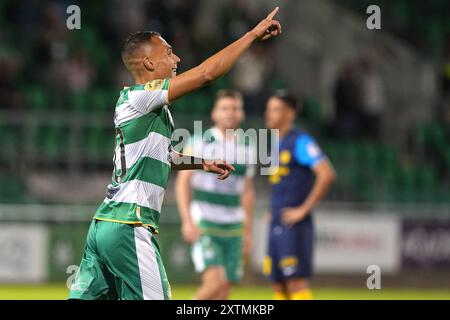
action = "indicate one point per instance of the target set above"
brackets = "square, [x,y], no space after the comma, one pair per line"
[352,242]
[426,243]
[23,252]
[345,242]
[66,246]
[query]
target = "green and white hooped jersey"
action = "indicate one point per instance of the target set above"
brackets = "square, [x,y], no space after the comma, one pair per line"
[215,204]
[144,128]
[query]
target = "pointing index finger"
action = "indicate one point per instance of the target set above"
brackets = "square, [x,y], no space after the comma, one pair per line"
[273,13]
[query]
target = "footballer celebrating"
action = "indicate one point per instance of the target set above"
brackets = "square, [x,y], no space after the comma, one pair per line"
[121,258]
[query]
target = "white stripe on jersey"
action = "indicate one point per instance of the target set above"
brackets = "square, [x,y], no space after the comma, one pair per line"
[154,146]
[201,210]
[125,112]
[146,101]
[204,181]
[142,193]
[139,103]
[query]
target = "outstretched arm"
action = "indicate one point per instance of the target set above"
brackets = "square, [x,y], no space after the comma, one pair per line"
[183,162]
[221,62]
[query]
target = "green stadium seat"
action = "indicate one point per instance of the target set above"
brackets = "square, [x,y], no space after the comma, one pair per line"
[11,140]
[101,100]
[278,83]
[78,101]
[58,142]
[108,143]
[16,190]
[447,159]
[312,110]
[38,99]
[221,83]
[93,143]
[199,103]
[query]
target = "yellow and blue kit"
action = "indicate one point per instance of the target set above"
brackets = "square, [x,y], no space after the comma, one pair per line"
[290,248]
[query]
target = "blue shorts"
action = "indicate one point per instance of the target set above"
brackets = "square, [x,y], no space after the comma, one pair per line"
[290,251]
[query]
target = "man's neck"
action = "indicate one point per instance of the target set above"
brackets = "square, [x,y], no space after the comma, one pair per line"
[283,131]
[223,132]
[143,77]
[142,80]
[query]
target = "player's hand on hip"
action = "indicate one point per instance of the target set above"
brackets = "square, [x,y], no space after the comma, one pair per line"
[221,167]
[291,216]
[190,232]
[268,27]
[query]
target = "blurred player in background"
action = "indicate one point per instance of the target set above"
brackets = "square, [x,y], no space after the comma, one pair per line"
[122,258]
[216,216]
[303,177]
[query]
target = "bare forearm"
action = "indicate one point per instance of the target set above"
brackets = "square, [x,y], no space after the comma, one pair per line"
[247,202]
[320,188]
[221,62]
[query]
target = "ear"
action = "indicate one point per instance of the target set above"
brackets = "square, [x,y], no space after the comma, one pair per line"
[148,65]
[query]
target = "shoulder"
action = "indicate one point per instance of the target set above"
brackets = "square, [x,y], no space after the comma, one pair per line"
[303,137]
[151,86]
[307,151]
[159,84]
[154,85]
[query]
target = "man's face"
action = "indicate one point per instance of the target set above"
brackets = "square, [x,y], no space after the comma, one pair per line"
[164,61]
[228,113]
[278,114]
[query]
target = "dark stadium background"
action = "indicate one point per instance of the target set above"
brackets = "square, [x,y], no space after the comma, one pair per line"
[378,102]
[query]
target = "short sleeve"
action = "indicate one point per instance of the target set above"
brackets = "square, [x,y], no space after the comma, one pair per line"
[152,96]
[307,152]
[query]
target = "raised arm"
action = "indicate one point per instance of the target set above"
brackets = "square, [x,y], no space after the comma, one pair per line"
[221,62]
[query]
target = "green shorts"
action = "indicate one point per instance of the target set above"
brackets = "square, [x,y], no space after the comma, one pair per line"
[120,261]
[211,251]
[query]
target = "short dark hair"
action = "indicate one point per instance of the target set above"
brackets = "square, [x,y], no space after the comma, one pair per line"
[134,41]
[229,93]
[287,98]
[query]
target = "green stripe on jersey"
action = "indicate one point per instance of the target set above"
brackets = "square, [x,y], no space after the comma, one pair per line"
[240,169]
[221,229]
[123,97]
[217,198]
[138,129]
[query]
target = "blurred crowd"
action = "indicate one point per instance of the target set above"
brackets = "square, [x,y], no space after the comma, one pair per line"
[44,67]
[38,49]
[360,99]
